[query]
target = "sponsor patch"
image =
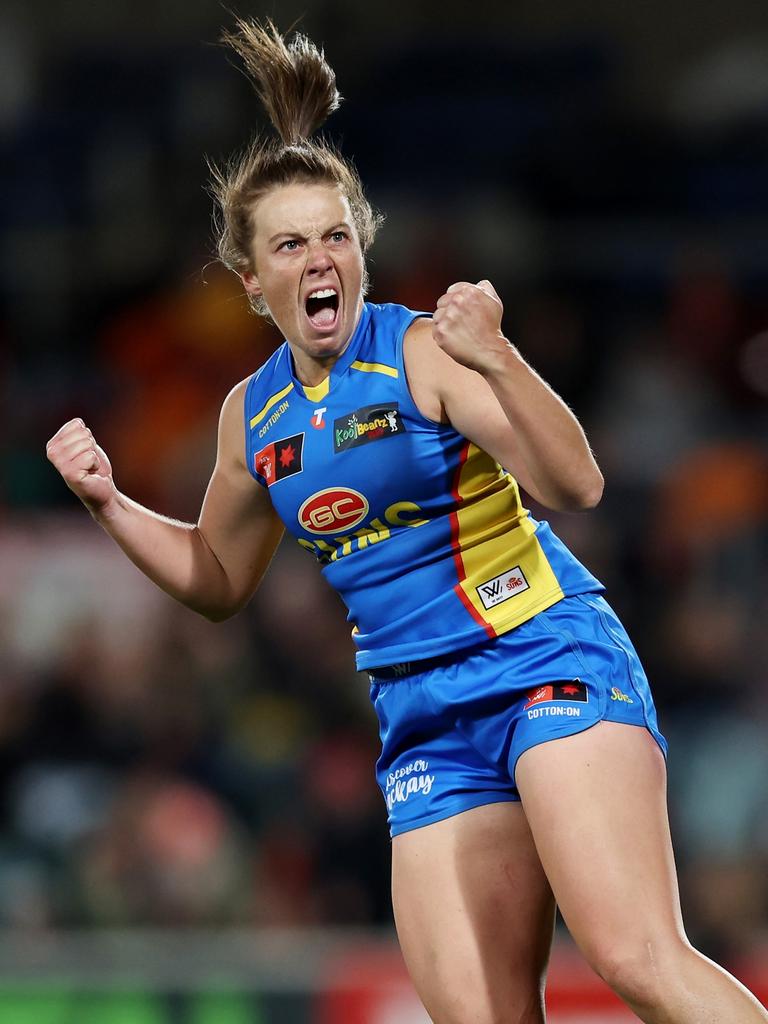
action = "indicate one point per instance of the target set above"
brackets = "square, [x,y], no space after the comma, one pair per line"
[333,510]
[283,407]
[409,781]
[371,423]
[564,689]
[318,418]
[502,588]
[554,711]
[616,694]
[280,459]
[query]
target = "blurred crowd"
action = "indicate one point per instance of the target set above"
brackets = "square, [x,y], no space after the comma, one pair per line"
[157,769]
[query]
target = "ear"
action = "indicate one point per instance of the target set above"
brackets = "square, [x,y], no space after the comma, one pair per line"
[251,283]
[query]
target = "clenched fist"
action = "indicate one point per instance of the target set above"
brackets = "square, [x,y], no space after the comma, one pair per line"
[83,464]
[467,325]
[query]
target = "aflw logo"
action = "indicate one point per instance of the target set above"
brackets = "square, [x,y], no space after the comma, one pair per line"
[502,587]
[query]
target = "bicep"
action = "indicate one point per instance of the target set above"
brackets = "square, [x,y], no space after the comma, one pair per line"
[240,526]
[237,520]
[474,411]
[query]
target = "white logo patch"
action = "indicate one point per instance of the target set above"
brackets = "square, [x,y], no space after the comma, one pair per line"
[502,587]
[274,418]
[556,711]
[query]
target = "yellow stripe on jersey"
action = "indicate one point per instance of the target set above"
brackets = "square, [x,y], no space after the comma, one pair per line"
[314,394]
[504,574]
[389,371]
[270,402]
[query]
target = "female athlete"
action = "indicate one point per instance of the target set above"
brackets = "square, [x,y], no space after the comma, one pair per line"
[521,761]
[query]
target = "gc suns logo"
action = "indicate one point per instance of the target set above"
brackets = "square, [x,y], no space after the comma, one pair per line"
[502,588]
[333,510]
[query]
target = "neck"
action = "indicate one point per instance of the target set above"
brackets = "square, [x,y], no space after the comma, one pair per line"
[312,370]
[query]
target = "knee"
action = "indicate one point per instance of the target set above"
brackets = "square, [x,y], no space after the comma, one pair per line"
[640,972]
[519,1009]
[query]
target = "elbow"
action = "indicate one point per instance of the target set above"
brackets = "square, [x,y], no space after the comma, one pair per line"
[220,614]
[216,613]
[590,495]
[582,498]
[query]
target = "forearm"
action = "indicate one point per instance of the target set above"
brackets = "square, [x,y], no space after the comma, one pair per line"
[549,438]
[172,554]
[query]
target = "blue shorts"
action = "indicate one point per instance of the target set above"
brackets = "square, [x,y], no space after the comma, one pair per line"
[452,728]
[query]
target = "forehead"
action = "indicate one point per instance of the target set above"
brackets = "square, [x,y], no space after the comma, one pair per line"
[300,208]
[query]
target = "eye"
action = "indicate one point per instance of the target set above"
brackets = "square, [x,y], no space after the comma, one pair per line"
[339,236]
[291,245]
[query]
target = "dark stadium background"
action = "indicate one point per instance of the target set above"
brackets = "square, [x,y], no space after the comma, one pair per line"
[190,825]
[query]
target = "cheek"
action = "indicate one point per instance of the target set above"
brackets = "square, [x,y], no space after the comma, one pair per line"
[357,266]
[280,283]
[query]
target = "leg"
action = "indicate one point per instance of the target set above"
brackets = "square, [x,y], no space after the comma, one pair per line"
[474,916]
[596,804]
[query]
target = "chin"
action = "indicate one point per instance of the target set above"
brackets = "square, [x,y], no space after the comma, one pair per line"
[333,345]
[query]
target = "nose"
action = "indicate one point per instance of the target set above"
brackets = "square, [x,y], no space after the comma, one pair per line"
[318,258]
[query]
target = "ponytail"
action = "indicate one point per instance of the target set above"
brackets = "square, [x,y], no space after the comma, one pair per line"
[294,82]
[297,88]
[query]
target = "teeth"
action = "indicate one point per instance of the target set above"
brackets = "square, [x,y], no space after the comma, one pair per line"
[323,293]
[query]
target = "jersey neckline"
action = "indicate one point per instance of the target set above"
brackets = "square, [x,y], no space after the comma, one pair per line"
[344,361]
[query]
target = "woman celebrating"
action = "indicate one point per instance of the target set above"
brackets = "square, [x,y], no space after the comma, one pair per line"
[521,761]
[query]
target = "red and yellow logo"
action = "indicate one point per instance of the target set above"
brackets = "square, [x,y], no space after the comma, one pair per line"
[333,510]
[564,689]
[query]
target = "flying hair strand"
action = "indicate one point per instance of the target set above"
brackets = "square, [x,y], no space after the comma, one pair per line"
[293,80]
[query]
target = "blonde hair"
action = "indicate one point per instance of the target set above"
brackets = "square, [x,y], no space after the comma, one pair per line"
[297,88]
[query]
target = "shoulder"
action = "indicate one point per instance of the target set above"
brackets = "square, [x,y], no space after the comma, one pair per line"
[418,344]
[423,362]
[437,381]
[234,403]
[232,423]
[270,374]
[249,399]
[392,317]
[267,388]
[420,331]
[423,351]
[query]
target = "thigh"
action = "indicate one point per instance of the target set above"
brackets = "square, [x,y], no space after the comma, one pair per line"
[596,803]
[474,915]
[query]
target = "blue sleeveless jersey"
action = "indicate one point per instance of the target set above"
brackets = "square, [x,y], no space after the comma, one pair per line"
[421,532]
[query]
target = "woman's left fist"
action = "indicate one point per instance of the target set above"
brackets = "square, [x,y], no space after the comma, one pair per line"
[467,324]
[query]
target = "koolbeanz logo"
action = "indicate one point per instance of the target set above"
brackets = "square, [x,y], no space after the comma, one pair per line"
[371,423]
[333,510]
[502,587]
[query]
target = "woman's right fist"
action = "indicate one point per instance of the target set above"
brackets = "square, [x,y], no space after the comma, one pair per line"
[83,464]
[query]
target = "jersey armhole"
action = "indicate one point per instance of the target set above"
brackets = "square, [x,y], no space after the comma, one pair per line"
[405,387]
[250,451]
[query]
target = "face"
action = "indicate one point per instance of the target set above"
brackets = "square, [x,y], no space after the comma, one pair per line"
[309,270]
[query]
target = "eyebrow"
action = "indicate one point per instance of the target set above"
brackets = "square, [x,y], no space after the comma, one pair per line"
[298,234]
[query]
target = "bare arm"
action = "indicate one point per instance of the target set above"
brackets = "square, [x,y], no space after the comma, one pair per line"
[212,567]
[462,369]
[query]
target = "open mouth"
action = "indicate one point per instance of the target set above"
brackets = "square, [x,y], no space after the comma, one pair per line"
[322,308]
